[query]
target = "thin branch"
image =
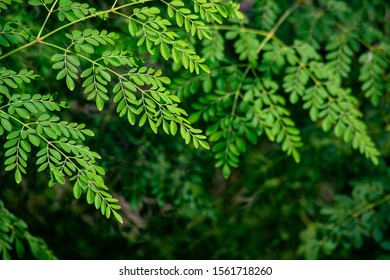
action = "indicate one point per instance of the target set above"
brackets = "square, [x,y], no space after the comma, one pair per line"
[47,18]
[281,20]
[39,40]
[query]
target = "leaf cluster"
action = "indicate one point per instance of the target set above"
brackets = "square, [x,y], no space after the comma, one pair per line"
[32,123]
[247,93]
[15,238]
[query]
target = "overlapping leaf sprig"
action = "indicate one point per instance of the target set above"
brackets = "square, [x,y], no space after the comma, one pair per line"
[88,61]
[247,93]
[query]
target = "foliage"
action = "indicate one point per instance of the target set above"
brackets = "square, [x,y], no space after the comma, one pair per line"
[269,80]
[351,219]
[14,234]
[28,119]
[245,100]
[282,60]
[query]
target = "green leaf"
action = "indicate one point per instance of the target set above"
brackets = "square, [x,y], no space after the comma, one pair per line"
[98,201]
[117,216]
[226,171]
[60,178]
[142,120]
[251,136]
[61,74]
[6,124]
[241,144]
[99,103]
[153,126]
[108,212]
[90,197]
[173,127]
[296,155]
[216,136]
[77,191]
[19,248]
[69,82]
[18,176]
[23,113]
[130,117]
[204,144]
[132,28]
[165,52]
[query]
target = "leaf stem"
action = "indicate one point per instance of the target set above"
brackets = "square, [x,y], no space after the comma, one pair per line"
[47,18]
[113,5]
[39,40]
[94,15]
[121,77]
[18,49]
[93,184]
[242,29]
[272,32]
